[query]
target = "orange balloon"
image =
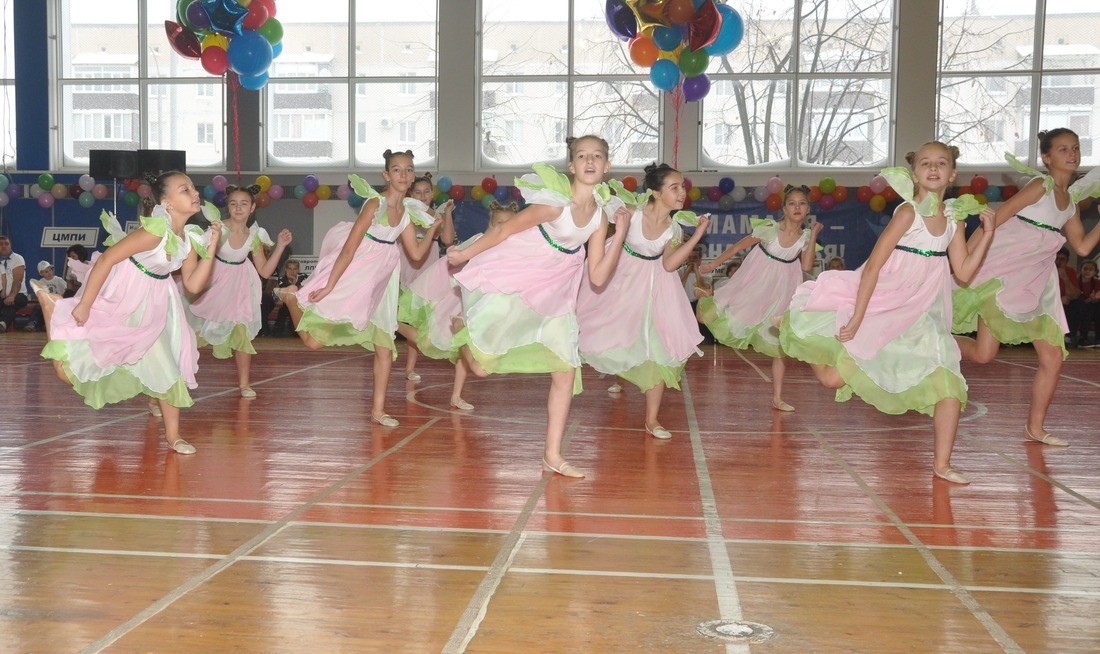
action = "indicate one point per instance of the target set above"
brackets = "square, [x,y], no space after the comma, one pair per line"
[878,203]
[815,194]
[840,193]
[774,202]
[643,51]
[965,190]
[630,184]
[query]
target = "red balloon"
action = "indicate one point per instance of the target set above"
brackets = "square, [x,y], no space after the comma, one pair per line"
[687,202]
[457,192]
[687,184]
[979,184]
[630,184]
[270,4]
[965,190]
[182,40]
[263,200]
[310,200]
[215,60]
[1008,191]
[75,191]
[889,194]
[704,26]
[774,202]
[680,11]
[131,184]
[815,194]
[714,194]
[257,15]
[489,184]
[840,193]
[864,194]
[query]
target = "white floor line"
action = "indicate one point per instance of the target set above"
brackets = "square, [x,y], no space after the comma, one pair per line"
[259,539]
[470,620]
[957,589]
[985,445]
[1060,375]
[725,585]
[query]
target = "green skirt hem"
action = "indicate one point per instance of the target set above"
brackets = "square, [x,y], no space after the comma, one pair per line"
[118,386]
[970,304]
[339,334]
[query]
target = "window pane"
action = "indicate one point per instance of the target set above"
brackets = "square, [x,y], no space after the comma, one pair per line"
[188,117]
[391,120]
[525,38]
[766,46]
[315,33]
[597,51]
[307,127]
[843,121]
[9,44]
[163,61]
[987,35]
[94,37]
[745,123]
[985,116]
[624,114]
[1072,105]
[7,124]
[394,39]
[1067,42]
[99,118]
[844,36]
[541,108]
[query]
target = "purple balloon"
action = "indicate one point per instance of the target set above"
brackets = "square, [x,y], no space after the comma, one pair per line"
[197,16]
[621,19]
[696,88]
[15,190]
[311,182]
[220,199]
[502,193]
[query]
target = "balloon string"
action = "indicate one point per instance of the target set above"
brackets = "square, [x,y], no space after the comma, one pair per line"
[234,85]
[677,103]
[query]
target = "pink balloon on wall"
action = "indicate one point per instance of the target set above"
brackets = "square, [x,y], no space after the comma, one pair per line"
[275,192]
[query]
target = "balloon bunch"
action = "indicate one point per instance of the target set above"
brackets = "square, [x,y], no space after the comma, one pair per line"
[242,36]
[489,191]
[675,39]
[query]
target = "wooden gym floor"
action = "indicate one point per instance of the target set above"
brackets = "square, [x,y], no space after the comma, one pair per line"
[301,527]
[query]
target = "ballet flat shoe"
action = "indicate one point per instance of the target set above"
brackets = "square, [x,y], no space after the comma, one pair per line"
[1046,438]
[615,388]
[566,469]
[385,420]
[462,404]
[182,447]
[952,475]
[248,393]
[782,406]
[413,376]
[154,410]
[659,432]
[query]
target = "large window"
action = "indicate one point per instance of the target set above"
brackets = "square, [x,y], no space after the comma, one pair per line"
[554,63]
[810,84]
[1008,69]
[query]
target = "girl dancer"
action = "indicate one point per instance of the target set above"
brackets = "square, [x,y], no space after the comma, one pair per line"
[227,314]
[746,312]
[883,331]
[639,325]
[351,297]
[1014,296]
[431,309]
[421,191]
[519,291]
[125,333]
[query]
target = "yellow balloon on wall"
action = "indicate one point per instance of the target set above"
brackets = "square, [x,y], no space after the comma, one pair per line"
[324,192]
[264,182]
[477,193]
[695,193]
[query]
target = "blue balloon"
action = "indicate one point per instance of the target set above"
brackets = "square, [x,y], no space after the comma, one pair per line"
[209,192]
[356,201]
[993,194]
[667,38]
[249,54]
[502,193]
[254,83]
[729,35]
[225,15]
[726,184]
[444,183]
[664,74]
[277,50]
[220,199]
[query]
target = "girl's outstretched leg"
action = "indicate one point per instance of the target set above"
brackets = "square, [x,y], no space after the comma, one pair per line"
[1042,392]
[829,376]
[557,410]
[945,422]
[295,310]
[172,429]
[456,391]
[981,349]
[48,302]
[383,362]
[653,399]
[779,370]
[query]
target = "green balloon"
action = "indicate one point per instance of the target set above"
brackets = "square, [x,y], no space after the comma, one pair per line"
[272,30]
[693,63]
[488,200]
[131,199]
[827,185]
[45,182]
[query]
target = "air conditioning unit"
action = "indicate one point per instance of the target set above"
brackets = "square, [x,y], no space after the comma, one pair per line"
[387,123]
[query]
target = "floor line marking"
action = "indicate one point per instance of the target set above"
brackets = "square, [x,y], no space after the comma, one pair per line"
[468,623]
[251,544]
[725,584]
[1060,374]
[982,443]
[954,585]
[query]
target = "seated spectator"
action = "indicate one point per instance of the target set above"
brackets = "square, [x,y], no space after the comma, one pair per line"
[51,283]
[79,254]
[1083,312]
[13,287]
[731,268]
[1068,288]
[291,279]
[836,263]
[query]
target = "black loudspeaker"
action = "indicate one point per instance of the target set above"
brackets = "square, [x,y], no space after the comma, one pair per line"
[155,162]
[115,164]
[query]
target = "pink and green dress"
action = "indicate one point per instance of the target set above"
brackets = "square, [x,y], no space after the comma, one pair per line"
[227,314]
[1015,292]
[430,305]
[519,298]
[136,340]
[903,357]
[742,313]
[639,325]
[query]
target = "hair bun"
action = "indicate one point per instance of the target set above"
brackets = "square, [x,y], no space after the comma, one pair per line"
[149,178]
[650,168]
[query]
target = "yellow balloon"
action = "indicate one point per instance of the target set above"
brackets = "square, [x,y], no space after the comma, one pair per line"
[215,39]
[244,3]
[264,182]
[477,193]
[324,192]
[695,193]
